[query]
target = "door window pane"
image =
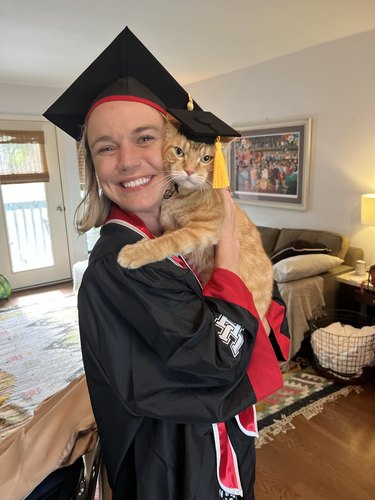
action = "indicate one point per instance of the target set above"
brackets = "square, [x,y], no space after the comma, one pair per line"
[27,226]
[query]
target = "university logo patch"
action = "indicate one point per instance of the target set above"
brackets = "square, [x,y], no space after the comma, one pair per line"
[230,333]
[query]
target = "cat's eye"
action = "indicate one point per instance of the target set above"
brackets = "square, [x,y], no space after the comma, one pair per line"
[206,159]
[179,152]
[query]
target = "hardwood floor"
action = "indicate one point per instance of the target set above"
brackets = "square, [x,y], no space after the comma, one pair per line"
[329,457]
[33,295]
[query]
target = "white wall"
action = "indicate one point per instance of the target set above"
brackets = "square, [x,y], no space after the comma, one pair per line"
[334,84]
[20,100]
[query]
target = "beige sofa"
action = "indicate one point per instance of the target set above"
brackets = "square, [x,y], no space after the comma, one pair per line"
[308,294]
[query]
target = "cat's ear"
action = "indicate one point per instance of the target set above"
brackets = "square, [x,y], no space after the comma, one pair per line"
[170,131]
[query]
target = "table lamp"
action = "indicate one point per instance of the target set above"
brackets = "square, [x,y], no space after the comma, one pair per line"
[368,209]
[368,218]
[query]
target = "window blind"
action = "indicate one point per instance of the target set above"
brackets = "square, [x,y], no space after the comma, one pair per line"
[22,157]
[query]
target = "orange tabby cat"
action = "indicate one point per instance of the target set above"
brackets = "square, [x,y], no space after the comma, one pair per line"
[192,219]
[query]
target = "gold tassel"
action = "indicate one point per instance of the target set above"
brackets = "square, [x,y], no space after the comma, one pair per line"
[220,179]
[190,104]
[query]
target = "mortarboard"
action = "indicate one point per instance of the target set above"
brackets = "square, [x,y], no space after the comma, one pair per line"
[125,57]
[202,126]
[126,70]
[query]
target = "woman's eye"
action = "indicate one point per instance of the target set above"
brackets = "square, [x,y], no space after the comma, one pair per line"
[178,152]
[106,149]
[206,158]
[144,139]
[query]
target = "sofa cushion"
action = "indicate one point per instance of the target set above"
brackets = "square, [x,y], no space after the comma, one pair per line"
[298,247]
[338,243]
[269,236]
[303,266]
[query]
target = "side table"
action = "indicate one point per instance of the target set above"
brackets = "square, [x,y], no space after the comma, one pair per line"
[353,296]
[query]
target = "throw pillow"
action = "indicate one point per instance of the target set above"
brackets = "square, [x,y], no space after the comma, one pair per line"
[298,247]
[303,266]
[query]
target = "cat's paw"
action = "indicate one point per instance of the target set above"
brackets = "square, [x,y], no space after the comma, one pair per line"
[131,257]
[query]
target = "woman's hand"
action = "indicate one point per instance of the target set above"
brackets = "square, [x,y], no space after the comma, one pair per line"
[227,250]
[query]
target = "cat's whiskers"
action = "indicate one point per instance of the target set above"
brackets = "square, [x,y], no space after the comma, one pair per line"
[165,181]
[169,179]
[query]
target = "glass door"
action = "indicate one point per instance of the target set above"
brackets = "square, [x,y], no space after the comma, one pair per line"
[33,238]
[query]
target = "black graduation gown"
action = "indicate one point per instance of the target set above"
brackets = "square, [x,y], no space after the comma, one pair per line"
[164,361]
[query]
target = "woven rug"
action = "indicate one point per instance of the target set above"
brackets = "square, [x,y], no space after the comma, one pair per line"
[39,355]
[304,393]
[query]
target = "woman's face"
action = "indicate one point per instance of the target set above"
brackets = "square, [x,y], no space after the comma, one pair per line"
[125,140]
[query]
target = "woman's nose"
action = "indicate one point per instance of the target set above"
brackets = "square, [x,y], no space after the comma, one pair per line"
[129,157]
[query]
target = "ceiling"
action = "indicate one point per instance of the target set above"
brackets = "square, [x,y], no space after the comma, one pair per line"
[49,42]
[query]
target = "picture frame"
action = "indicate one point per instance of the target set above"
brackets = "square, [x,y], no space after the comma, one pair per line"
[270,164]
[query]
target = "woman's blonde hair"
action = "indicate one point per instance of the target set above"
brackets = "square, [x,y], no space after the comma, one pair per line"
[95,206]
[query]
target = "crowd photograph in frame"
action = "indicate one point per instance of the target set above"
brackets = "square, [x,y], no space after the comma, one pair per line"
[269,164]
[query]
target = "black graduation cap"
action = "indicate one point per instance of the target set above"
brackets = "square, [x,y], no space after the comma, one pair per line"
[125,57]
[202,126]
[127,70]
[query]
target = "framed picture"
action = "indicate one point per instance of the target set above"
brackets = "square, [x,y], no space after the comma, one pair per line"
[269,165]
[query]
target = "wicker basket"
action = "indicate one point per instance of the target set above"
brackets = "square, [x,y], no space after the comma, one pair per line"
[340,352]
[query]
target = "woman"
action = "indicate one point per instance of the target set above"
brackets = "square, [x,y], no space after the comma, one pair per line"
[173,369]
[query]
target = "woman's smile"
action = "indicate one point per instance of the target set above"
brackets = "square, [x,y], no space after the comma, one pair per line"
[137,182]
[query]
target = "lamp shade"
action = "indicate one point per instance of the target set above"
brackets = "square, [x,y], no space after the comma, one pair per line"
[368,209]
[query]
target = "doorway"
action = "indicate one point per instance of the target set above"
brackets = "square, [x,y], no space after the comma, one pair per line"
[33,237]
